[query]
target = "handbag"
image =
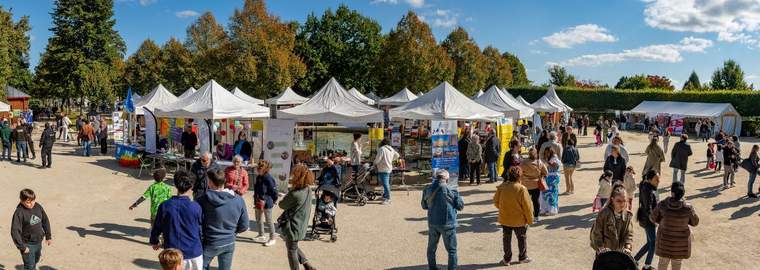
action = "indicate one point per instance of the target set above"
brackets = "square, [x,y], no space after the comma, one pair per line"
[287,215]
[747,165]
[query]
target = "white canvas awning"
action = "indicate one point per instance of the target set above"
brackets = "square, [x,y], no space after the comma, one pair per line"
[523,101]
[332,104]
[478,94]
[361,97]
[287,97]
[212,101]
[373,96]
[400,98]
[554,98]
[723,114]
[499,100]
[550,102]
[157,97]
[188,92]
[444,102]
[4,107]
[242,95]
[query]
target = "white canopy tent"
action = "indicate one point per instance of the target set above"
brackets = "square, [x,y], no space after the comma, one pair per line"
[361,97]
[212,101]
[242,95]
[552,96]
[478,94]
[400,98]
[373,96]
[4,107]
[724,115]
[287,97]
[523,101]
[332,104]
[188,92]
[500,101]
[157,97]
[444,102]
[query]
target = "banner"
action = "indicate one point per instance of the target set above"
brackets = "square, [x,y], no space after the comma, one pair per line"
[504,132]
[127,155]
[396,139]
[117,127]
[676,125]
[445,150]
[278,149]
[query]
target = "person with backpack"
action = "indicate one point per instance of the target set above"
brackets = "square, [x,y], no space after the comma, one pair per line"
[442,204]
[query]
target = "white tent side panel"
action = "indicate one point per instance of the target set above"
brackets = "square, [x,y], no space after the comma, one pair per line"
[724,115]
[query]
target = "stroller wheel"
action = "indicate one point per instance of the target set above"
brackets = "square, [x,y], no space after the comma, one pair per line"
[362,201]
[333,238]
[372,195]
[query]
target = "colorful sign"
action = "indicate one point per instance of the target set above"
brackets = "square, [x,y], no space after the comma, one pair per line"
[504,132]
[127,155]
[278,149]
[676,125]
[445,150]
[117,127]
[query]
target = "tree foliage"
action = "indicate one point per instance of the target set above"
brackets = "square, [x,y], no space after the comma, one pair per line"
[14,52]
[730,76]
[559,76]
[469,63]
[519,75]
[643,81]
[145,68]
[179,70]
[692,83]
[211,50]
[660,82]
[498,71]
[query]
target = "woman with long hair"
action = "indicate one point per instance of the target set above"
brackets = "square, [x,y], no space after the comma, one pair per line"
[754,160]
[655,157]
[550,196]
[647,203]
[570,159]
[612,229]
[264,197]
[296,206]
[534,171]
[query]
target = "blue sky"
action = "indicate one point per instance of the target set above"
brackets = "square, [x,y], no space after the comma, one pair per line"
[595,39]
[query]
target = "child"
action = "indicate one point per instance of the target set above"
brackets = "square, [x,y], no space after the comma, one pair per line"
[718,157]
[326,209]
[629,182]
[604,191]
[157,192]
[710,154]
[170,259]
[30,224]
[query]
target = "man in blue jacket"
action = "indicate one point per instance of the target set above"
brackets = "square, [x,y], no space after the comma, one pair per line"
[442,204]
[224,216]
[179,220]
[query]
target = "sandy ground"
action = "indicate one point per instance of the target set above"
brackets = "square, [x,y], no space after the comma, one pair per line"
[87,200]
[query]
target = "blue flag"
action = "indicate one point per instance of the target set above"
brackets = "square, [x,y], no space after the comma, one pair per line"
[128,103]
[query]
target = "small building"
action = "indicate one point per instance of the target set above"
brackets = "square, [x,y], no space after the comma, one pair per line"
[16,98]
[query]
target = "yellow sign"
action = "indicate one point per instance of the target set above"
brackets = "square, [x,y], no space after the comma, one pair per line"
[504,131]
[180,123]
[257,125]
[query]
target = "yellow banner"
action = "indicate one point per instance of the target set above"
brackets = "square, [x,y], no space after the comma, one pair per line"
[504,131]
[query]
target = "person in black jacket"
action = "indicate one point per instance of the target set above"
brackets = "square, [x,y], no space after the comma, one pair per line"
[491,155]
[189,140]
[679,157]
[464,166]
[200,169]
[30,142]
[242,147]
[46,145]
[29,227]
[616,164]
[730,164]
[264,197]
[647,203]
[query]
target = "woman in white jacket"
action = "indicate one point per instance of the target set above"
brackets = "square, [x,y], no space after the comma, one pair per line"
[384,165]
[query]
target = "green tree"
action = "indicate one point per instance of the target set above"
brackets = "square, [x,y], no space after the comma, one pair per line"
[83,54]
[519,76]
[411,58]
[179,69]
[14,52]
[263,46]
[633,82]
[498,71]
[144,68]
[344,44]
[730,77]
[469,63]
[211,50]
[692,83]
[559,76]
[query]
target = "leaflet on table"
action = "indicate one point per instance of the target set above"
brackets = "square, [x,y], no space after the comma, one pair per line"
[445,152]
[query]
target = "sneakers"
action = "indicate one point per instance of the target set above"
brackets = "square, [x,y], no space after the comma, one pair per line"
[270,243]
[526,260]
[260,238]
[647,268]
[752,195]
[505,263]
[385,202]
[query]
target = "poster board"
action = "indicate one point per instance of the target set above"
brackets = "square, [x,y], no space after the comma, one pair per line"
[676,125]
[445,152]
[504,132]
[278,149]
[117,127]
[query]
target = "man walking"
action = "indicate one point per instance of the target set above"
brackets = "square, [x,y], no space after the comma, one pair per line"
[64,128]
[87,135]
[19,137]
[679,157]
[5,139]
[200,169]
[442,205]
[29,227]
[46,145]
[30,143]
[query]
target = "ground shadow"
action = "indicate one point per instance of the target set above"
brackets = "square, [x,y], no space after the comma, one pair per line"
[21,267]
[573,208]
[706,193]
[113,166]
[470,223]
[745,212]
[464,267]
[146,264]
[591,168]
[113,231]
[144,220]
[732,204]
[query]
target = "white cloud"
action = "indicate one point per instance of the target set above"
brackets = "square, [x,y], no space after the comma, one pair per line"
[668,53]
[534,51]
[186,14]
[579,34]
[443,18]
[413,3]
[147,2]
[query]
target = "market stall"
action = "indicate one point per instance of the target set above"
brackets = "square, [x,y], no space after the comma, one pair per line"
[242,95]
[724,115]
[361,97]
[402,97]
[159,96]
[188,92]
[498,100]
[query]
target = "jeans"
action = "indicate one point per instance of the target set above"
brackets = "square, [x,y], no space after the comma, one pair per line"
[663,263]
[47,156]
[449,234]
[260,222]
[385,180]
[521,233]
[676,171]
[648,248]
[86,146]
[224,253]
[6,151]
[33,257]
[295,256]
[751,183]
[21,149]
[492,171]
[534,194]
[475,172]
[464,169]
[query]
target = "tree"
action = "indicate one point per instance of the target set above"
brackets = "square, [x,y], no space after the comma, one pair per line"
[83,54]
[692,83]
[498,71]
[14,52]
[411,58]
[730,76]
[179,69]
[469,63]
[659,82]
[263,46]
[144,68]
[519,76]
[211,50]
[634,82]
[344,44]
[560,77]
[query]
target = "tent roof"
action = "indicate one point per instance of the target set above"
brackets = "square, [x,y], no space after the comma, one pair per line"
[552,96]
[332,104]
[157,97]
[212,101]
[287,97]
[523,101]
[361,96]
[4,107]
[499,100]
[400,98]
[478,94]
[11,92]
[687,109]
[188,92]
[444,102]
[543,104]
[373,96]
[242,95]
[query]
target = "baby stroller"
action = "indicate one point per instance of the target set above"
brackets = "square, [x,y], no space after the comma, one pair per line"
[323,222]
[614,260]
[358,190]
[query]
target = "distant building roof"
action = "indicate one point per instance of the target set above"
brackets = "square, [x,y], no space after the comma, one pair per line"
[13,93]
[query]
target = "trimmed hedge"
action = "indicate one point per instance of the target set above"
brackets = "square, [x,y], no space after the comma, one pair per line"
[597,100]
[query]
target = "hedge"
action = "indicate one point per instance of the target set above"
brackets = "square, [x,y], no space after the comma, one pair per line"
[597,100]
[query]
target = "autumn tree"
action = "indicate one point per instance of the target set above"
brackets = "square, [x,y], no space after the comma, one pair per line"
[211,50]
[145,67]
[179,69]
[692,83]
[411,58]
[344,44]
[497,68]
[730,77]
[14,52]
[633,82]
[559,76]
[469,62]
[519,75]
[263,46]
[660,82]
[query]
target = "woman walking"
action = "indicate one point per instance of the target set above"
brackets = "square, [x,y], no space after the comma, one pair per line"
[103,137]
[674,217]
[647,203]
[730,158]
[550,196]
[655,157]
[616,164]
[475,158]
[515,214]
[534,171]
[264,197]
[570,159]
[296,206]
[753,160]
[512,157]
[666,139]
[491,155]
[612,230]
